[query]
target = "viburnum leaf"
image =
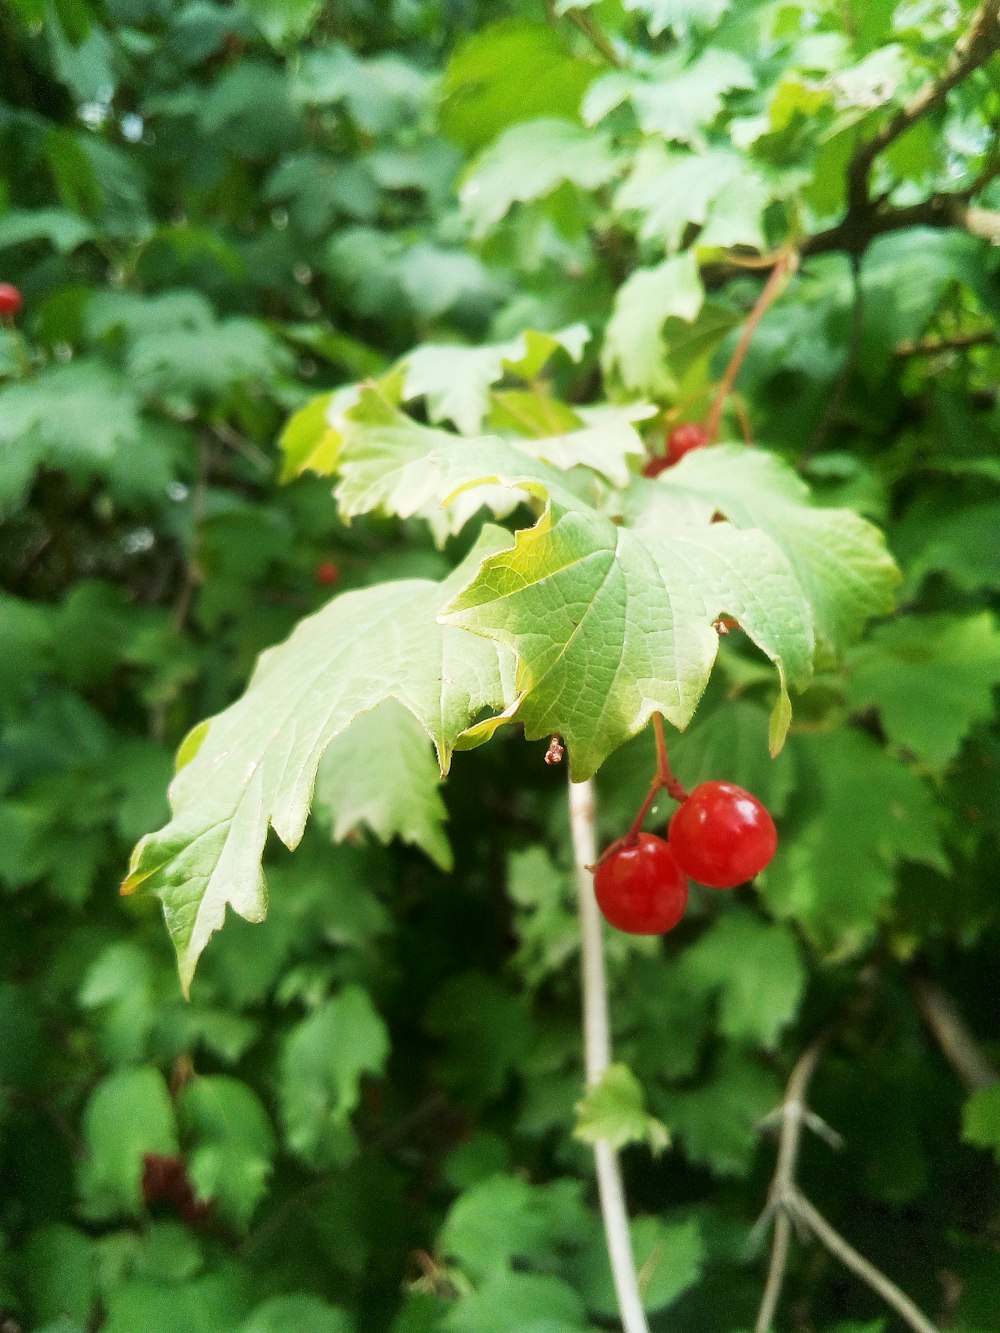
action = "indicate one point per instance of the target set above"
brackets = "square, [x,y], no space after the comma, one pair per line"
[390,462]
[504,1219]
[611,625]
[322,1064]
[716,1122]
[670,1257]
[455,380]
[673,98]
[292,1313]
[981,1119]
[633,346]
[681,14]
[610,622]
[931,679]
[528,161]
[381,772]
[757,970]
[863,812]
[717,190]
[534,1302]
[253,766]
[841,560]
[233,1144]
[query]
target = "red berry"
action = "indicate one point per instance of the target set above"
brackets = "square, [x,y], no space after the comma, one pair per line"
[683,438]
[655,466]
[327,573]
[722,836]
[640,888]
[10,300]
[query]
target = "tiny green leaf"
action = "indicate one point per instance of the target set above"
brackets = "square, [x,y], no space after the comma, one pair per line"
[614,1109]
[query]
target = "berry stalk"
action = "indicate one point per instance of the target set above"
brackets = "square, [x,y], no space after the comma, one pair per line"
[663,780]
[785,266]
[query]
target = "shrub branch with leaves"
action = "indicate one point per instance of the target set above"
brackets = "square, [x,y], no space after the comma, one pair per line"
[632,326]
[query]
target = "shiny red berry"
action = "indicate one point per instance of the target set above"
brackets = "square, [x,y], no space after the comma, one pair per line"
[683,438]
[10,300]
[641,889]
[722,836]
[327,574]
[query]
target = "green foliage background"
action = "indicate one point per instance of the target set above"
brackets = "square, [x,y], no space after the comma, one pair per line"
[217,211]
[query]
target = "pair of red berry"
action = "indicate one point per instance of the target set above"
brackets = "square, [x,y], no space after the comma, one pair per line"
[681,440]
[10,300]
[720,836]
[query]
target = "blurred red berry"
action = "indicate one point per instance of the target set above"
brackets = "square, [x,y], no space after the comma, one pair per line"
[10,300]
[327,574]
[683,438]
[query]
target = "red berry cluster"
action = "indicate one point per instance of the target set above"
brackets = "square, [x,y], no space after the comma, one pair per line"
[681,440]
[720,836]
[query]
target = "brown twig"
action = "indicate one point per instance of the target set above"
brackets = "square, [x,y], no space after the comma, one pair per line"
[867,218]
[792,1117]
[783,267]
[591,30]
[787,1205]
[976,45]
[245,448]
[959,1047]
[955,342]
[803,1211]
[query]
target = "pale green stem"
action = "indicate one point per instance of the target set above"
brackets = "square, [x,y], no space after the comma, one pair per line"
[597,1055]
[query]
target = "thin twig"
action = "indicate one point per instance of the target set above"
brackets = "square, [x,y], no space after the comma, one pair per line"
[955,342]
[772,288]
[947,1026]
[873,1277]
[594,34]
[597,1057]
[786,1204]
[792,1119]
[972,50]
[245,448]
[867,218]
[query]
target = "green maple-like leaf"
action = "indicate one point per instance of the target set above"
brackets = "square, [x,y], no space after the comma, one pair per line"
[633,346]
[718,190]
[233,1145]
[612,623]
[674,99]
[389,462]
[864,812]
[504,1219]
[528,161]
[381,772]
[840,559]
[253,766]
[455,380]
[931,679]
[756,968]
[322,1064]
